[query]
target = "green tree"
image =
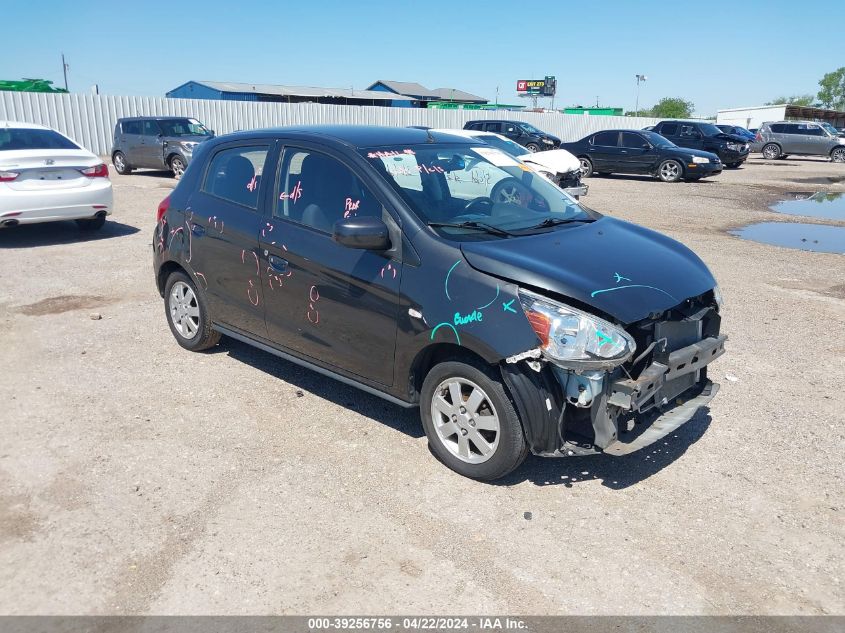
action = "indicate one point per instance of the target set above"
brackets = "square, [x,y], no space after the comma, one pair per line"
[832,93]
[671,108]
[799,100]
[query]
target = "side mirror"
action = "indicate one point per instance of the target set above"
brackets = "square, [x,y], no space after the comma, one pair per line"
[365,232]
[211,132]
[647,146]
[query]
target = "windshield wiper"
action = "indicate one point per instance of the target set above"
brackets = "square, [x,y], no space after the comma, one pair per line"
[472,224]
[555,222]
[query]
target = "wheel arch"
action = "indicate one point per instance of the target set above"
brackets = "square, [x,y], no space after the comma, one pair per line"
[172,155]
[436,353]
[165,270]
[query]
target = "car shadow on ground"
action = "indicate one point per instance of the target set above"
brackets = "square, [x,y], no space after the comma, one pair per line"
[646,178]
[614,472]
[52,233]
[399,418]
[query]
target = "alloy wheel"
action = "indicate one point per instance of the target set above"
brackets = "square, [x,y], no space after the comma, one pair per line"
[586,166]
[465,420]
[184,310]
[771,152]
[119,163]
[670,171]
[838,155]
[177,166]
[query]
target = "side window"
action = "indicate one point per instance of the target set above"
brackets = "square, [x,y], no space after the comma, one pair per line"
[606,139]
[509,128]
[235,174]
[131,127]
[150,128]
[633,141]
[814,130]
[317,190]
[778,128]
[669,129]
[473,126]
[689,131]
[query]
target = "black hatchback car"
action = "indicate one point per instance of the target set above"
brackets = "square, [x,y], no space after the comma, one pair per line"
[641,152]
[525,134]
[731,149]
[433,271]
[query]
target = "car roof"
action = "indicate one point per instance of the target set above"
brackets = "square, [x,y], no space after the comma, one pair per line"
[352,135]
[23,125]
[151,118]
[494,121]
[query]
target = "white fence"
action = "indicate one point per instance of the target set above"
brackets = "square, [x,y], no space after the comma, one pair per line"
[90,119]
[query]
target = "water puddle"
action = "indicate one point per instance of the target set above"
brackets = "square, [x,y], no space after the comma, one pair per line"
[830,206]
[820,238]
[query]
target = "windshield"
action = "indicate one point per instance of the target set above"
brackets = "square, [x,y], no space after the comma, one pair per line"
[655,139]
[708,129]
[478,185]
[508,147]
[530,128]
[183,127]
[12,138]
[830,129]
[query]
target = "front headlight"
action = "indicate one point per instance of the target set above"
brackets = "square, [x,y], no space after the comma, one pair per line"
[574,338]
[548,141]
[700,160]
[734,147]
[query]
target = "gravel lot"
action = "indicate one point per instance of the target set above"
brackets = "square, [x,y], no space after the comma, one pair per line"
[136,477]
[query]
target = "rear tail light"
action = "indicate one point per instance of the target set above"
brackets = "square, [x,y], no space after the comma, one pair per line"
[163,206]
[541,324]
[8,176]
[758,137]
[97,171]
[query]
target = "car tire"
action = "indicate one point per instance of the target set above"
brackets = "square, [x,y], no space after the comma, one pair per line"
[771,151]
[733,165]
[187,313]
[94,224]
[177,166]
[586,167]
[670,171]
[532,147]
[120,165]
[454,432]
[838,155]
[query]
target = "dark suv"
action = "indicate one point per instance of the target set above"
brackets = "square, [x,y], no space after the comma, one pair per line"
[525,134]
[432,272]
[156,143]
[731,149]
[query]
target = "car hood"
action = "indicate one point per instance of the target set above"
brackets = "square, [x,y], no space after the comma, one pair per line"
[557,160]
[621,269]
[732,137]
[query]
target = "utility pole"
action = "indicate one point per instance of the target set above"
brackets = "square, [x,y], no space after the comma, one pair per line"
[64,69]
[639,79]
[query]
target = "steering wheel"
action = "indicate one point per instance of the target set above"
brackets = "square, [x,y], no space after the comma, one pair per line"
[510,191]
[482,200]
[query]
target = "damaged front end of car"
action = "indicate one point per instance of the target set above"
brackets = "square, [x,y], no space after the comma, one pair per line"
[593,386]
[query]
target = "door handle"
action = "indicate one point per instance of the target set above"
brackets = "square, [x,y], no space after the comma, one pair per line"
[197,230]
[278,264]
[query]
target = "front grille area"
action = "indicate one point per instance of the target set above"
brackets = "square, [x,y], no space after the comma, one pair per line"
[572,179]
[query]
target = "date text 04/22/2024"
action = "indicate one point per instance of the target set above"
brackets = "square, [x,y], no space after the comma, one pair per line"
[417,623]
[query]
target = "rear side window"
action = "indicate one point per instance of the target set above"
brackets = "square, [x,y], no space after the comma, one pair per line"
[131,127]
[234,174]
[26,138]
[473,126]
[606,139]
[317,190]
[669,129]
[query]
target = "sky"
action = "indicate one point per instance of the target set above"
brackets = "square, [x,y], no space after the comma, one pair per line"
[717,55]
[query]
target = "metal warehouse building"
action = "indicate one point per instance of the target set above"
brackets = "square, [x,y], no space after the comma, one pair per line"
[230,91]
[754,117]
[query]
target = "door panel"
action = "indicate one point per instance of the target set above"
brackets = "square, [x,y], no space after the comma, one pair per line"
[223,223]
[332,303]
[604,151]
[635,158]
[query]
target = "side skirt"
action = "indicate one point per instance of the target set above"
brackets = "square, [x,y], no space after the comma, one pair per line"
[308,365]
